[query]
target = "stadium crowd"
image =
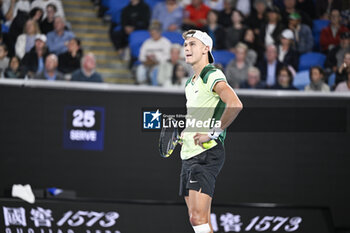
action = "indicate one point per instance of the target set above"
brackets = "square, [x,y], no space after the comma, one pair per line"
[36,42]
[267,40]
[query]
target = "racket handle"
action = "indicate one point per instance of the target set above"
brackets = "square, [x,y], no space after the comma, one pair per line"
[209,144]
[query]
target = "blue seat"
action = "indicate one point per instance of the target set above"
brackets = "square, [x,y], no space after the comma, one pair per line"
[331,80]
[223,57]
[317,27]
[136,38]
[174,37]
[301,79]
[311,59]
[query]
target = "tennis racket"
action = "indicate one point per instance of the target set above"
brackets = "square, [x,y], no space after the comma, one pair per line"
[169,138]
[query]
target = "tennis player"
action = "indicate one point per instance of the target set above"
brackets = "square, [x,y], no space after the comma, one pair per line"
[208,96]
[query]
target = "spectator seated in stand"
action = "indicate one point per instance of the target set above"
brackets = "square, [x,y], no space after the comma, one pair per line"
[70,60]
[195,16]
[216,5]
[317,80]
[303,40]
[4,60]
[135,16]
[50,72]
[14,70]
[236,71]
[271,30]
[87,72]
[284,80]
[44,3]
[33,61]
[153,51]
[269,66]
[57,39]
[344,85]
[225,14]
[257,17]
[330,36]
[26,41]
[215,31]
[343,70]
[46,25]
[235,33]
[336,56]
[286,53]
[253,80]
[36,14]
[170,14]
[166,74]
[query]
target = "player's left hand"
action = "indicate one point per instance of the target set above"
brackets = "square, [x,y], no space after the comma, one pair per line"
[199,139]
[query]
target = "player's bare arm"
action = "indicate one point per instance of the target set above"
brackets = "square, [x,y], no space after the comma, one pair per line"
[233,107]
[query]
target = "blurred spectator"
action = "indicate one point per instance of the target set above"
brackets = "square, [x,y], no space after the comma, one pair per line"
[286,53]
[33,61]
[57,39]
[170,14]
[289,8]
[235,33]
[70,60]
[217,5]
[87,73]
[324,7]
[26,41]
[4,60]
[46,25]
[152,52]
[225,14]
[330,35]
[14,70]
[335,56]
[50,71]
[344,85]
[236,71]
[284,80]
[36,14]
[43,4]
[215,31]
[270,66]
[195,16]
[303,39]
[253,80]
[178,77]
[271,31]
[135,16]
[317,80]
[253,45]
[243,6]
[166,70]
[10,9]
[343,70]
[258,16]
[345,17]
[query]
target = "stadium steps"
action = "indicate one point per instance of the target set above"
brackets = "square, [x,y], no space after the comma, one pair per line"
[93,33]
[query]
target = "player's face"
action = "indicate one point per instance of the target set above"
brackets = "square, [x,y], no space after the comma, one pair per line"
[194,50]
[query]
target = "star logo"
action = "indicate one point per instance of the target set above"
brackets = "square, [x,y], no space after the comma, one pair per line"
[156,115]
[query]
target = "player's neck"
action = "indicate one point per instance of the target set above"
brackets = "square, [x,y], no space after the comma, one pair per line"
[198,67]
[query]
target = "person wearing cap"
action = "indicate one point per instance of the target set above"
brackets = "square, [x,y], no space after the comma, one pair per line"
[335,56]
[208,96]
[286,53]
[330,35]
[303,39]
[33,61]
[289,7]
[152,52]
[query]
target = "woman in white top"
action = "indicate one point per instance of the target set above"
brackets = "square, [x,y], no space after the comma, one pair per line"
[26,40]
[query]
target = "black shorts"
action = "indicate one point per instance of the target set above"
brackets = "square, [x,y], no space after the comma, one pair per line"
[200,171]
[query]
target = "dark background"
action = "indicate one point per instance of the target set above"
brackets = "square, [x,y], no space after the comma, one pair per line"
[271,156]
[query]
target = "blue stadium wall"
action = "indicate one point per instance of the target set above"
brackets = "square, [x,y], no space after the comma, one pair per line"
[283,148]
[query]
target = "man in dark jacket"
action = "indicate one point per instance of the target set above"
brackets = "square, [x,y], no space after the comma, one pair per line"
[135,16]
